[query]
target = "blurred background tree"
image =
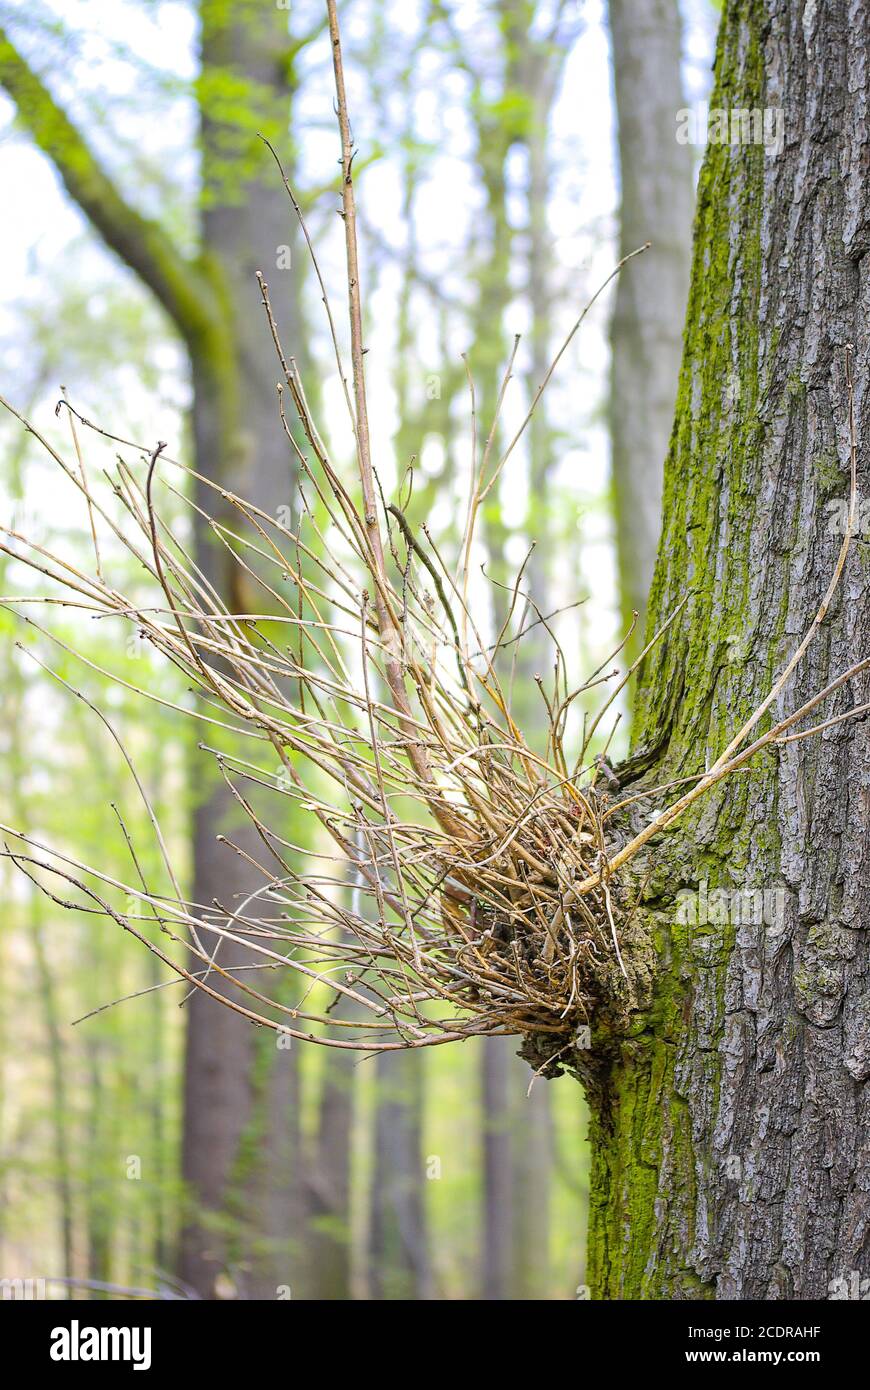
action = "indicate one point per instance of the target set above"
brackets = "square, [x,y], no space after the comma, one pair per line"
[157,1147]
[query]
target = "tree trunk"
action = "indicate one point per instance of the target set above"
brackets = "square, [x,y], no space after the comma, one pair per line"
[649,312]
[18,766]
[531,1117]
[399,1266]
[399,1258]
[241,1142]
[497,1252]
[532,1168]
[732,1126]
[497,130]
[239,1137]
[329,1181]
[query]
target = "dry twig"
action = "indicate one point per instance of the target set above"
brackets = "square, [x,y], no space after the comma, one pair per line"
[486,876]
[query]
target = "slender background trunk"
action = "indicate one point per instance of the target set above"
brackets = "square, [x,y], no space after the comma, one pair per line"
[241,1137]
[657,196]
[329,1178]
[399,1261]
[399,1266]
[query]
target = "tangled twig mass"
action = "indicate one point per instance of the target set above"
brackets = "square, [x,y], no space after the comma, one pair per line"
[474,883]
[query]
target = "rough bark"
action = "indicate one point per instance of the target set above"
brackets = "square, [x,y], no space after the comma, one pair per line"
[646,331]
[732,1122]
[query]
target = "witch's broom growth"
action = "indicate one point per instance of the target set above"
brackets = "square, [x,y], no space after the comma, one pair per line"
[490,879]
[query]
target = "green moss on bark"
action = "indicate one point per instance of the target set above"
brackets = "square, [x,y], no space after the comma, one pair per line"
[646,1156]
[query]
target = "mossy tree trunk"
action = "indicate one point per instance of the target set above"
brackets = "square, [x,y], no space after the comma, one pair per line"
[732,1122]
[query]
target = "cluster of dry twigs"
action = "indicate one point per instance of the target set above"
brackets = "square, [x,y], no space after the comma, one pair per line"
[484,875]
